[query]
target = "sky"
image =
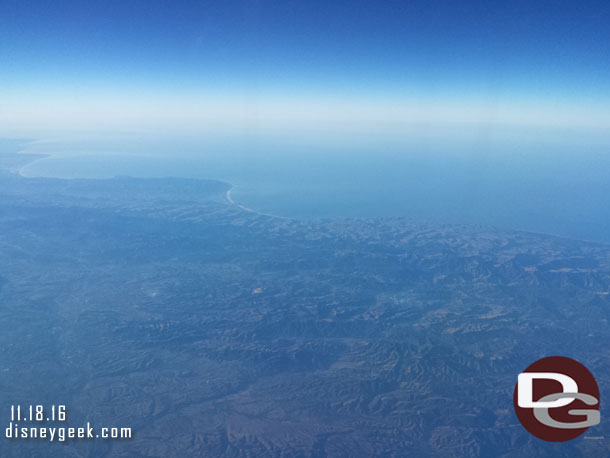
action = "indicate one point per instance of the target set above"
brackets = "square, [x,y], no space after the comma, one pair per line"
[341,66]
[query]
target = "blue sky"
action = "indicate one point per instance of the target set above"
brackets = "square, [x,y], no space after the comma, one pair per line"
[188,64]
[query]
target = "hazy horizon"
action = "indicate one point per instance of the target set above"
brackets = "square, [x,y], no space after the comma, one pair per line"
[314,68]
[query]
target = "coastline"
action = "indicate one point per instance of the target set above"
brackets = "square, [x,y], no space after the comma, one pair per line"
[31,158]
[18,159]
[34,158]
[15,155]
[229,199]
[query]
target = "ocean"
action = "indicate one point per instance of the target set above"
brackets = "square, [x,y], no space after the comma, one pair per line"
[539,186]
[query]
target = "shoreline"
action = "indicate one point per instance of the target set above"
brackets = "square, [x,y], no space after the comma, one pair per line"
[229,199]
[31,158]
[19,171]
[34,157]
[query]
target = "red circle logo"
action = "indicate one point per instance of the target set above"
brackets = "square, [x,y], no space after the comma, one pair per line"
[557,399]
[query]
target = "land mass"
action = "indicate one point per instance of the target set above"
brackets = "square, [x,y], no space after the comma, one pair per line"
[161,305]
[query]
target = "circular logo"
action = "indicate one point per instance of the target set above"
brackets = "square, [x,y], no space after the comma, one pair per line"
[556,399]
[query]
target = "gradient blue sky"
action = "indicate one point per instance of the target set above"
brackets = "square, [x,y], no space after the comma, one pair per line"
[187,64]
